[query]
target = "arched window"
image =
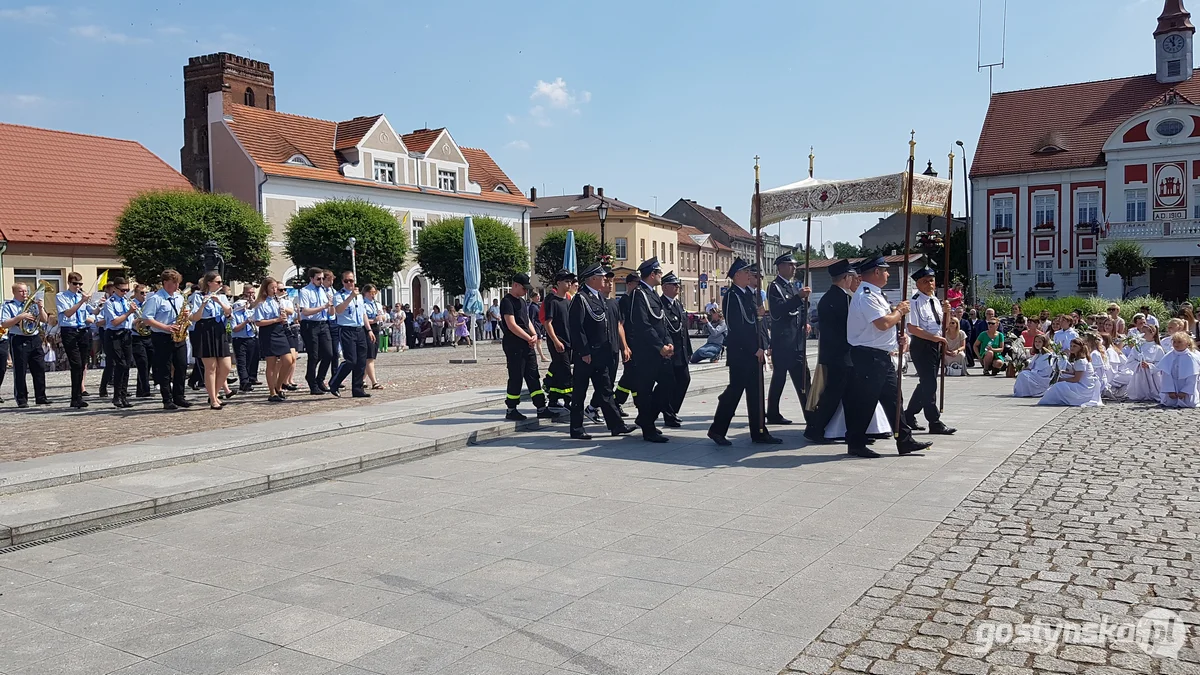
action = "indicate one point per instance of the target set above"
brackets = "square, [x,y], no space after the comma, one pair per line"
[249,97]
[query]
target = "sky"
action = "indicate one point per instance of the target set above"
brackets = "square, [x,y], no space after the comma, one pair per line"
[654,101]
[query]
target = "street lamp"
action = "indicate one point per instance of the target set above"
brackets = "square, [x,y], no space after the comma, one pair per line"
[603,211]
[929,171]
[212,258]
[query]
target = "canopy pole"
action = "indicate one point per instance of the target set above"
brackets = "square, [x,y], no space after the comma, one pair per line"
[762,392]
[946,287]
[805,380]
[908,210]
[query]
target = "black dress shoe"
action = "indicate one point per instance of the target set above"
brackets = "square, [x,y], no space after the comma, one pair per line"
[183,403]
[275,398]
[546,414]
[317,392]
[621,410]
[103,393]
[863,452]
[336,391]
[125,403]
[291,387]
[581,436]
[323,387]
[719,440]
[817,441]
[42,401]
[361,394]
[86,393]
[623,430]
[514,415]
[941,429]
[777,419]
[656,438]
[672,422]
[767,439]
[913,424]
[910,446]
[22,404]
[170,405]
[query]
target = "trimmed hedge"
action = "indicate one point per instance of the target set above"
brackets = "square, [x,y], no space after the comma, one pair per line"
[1088,305]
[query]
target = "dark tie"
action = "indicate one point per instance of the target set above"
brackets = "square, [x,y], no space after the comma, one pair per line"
[934,306]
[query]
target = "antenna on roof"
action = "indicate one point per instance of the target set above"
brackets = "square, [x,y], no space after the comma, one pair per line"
[979,64]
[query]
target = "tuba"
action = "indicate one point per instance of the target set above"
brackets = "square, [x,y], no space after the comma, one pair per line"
[30,327]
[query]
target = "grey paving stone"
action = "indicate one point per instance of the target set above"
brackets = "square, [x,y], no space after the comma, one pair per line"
[544,643]
[662,628]
[160,636]
[412,655]
[612,655]
[327,595]
[285,662]
[709,605]
[214,654]
[343,642]
[473,628]
[92,659]
[748,647]
[594,616]
[288,625]
[490,663]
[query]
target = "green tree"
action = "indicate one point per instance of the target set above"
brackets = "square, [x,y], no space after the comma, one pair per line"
[885,250]
[844,249]
[501,253]
[548,257]
[318,236]
[1127,260]
[167,230]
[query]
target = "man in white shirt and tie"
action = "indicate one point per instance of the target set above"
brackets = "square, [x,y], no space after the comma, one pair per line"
[925,347]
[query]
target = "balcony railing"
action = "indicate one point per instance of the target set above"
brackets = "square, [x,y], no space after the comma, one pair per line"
[1002,230]
[1164,229]
[1043,228]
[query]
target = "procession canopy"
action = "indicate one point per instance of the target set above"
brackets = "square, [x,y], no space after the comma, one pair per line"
[882,194]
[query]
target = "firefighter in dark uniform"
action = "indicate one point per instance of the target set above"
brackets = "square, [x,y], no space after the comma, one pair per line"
[789,325]
[558,376]
[833,354]
[627,385]
[652,348]
[519,342]
[593,326]
[746,348]
[676,319]
[926,339]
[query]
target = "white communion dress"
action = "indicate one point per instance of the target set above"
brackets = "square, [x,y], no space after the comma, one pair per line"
[1119,373]
[1144,385]
[879,426]
[1034,380]
[1078,394]
[1179,371]
[1099,367]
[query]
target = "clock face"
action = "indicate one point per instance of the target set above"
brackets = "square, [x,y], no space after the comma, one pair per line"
[1173,43]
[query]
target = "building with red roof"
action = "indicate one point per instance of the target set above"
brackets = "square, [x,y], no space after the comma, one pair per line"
[1060,171]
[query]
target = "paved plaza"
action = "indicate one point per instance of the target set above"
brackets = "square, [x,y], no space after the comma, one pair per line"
[535,554]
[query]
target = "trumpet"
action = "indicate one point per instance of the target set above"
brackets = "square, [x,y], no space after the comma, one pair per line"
[139,325]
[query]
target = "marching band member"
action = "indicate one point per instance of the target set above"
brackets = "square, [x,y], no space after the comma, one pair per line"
[592,326]
[788,326]
[73,316]
[375,317]
[557,382]
[518,344]
[98,311]
[210,309]
[746,346]
[334,327]
[871,332]
[652,349]
[25,350]
[315,303]
[143,349]
[272,340]
[833,353]
[245,342]
[170,357]
[676,319]
[354,333]
[118,321]
[288,307]
[925,348]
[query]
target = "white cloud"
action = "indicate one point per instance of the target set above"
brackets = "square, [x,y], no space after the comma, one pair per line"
[518,145]
[511,118]
[171,30]
[558,95]
[32,13]
[538,113]
[21,100]
[102,34]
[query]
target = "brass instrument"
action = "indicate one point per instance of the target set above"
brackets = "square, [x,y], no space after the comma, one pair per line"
[29,327]
[139,325]
[183,321]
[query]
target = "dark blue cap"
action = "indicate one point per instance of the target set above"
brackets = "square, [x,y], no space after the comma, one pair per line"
[737,266]
[596,270]
[670,278]
[786,258]
[648,267]
[922,273]
[868,265]
[840,267]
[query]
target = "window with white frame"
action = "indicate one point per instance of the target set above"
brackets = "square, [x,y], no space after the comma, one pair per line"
[1087,207]
[671,254]
[1004,211]
[654,248]
[418,224]
[32,277]
[621,248]
[1087,272]
[1135,205]
[447,180]
[1044,209]
[1045,272]
[385,172]
[1001,277]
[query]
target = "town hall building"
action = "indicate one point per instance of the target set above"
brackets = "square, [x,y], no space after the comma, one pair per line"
[1061,171]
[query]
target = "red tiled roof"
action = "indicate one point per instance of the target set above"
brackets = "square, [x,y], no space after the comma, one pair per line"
[720,246]
[420,139]
[1076,118]
[486,172]
[686,233]
[350,132]
[38,203]
[272,137]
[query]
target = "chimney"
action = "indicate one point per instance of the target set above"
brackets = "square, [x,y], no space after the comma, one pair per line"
[587,190]
[719,209]
[533,194]
[599,192]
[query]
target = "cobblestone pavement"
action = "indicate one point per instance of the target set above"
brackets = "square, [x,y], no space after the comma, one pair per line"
[47,430]
[1094,519]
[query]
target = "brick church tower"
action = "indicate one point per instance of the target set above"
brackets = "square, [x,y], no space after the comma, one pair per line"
[240,79]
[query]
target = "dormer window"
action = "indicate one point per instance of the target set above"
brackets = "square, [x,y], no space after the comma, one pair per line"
[447,180]
[385,172]
[502,188]
[1050,150]
[299,160]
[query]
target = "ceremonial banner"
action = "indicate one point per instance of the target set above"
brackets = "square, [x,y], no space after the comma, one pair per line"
[882,194]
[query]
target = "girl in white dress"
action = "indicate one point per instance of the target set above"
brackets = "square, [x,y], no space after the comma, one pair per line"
[879,427]
[1144,385]
[1173,327]
[1179,370]
[1077,384]
[1099,366]
[1119,370]
[1034,380]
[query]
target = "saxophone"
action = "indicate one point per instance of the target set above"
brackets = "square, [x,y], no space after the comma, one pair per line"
[183,321]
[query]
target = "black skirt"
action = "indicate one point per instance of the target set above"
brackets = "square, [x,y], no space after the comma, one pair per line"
[293,336]
[373,345]
[273,340]
[209,339]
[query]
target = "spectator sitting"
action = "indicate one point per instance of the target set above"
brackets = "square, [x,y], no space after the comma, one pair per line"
[716,330]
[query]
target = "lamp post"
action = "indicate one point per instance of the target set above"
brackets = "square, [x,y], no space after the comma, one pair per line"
[932,173]
[211,257]
[603,212]
[970,225]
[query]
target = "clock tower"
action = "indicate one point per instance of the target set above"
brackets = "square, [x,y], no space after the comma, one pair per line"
[1173,43]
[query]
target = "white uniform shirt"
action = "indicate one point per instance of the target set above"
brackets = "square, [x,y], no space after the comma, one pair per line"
[922,315]
[867,305]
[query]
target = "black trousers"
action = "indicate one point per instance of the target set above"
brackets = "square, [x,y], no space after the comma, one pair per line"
[522,370]
[627,385]
[837,376]
[784,364]
[142,355]
[170,366]
[654,384]
[105,348]
[612,379]
[335,341]
[926,356]
[681,379]
[27,357]
[558,381]
[874,383]
[245,350]
[319,347]
[354,365]
[77,343]
[3,360]
[743,379]
[121,355]
[598,374]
